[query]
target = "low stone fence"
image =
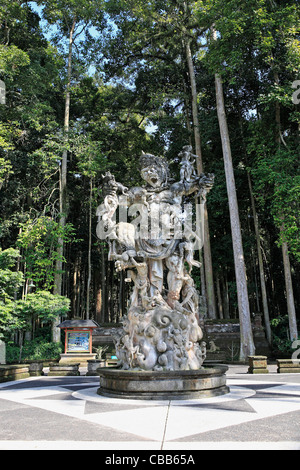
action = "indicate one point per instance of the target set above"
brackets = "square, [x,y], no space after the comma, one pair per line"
[288,366]
[36,368]
[33,368]
[258,365]
[14,372]
[64,369]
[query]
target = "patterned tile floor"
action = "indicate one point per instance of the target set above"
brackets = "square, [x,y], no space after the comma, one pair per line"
[260,412]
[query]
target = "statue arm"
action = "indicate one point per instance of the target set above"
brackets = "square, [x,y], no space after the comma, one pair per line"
[200,184]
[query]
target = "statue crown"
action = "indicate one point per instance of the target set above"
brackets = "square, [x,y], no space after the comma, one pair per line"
[148,159]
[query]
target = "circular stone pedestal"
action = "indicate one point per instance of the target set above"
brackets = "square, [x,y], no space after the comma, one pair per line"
[163,385]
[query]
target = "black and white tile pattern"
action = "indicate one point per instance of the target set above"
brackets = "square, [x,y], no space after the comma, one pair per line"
[61,412]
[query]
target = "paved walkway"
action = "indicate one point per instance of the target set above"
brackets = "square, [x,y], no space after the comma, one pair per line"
[260,412]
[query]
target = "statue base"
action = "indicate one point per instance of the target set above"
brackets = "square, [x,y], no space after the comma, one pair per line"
[163,385]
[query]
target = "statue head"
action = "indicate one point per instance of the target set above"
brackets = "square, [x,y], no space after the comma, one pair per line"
[154,170]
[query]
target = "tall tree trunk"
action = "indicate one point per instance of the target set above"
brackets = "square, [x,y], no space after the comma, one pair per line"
[98,304]
[247,347]
[78,290]
[219,297]
[225,296]
[260,265]
[208,269]
[98,289]
[74,298]
[77,299]
[285,251]
[121,297]
[89,253]
[104,288]
[289,293]
[56,336]
[187,109]
[111,299]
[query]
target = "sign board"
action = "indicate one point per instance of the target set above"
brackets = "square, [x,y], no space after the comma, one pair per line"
[78,335]
[78,341]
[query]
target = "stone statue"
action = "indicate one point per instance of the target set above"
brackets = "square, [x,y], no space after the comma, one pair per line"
[213,347]
[161,330]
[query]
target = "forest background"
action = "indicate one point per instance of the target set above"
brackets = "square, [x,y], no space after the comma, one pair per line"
[86,86]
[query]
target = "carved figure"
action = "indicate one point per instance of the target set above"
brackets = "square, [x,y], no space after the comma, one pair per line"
[161,330]
[187,171]
[212,347]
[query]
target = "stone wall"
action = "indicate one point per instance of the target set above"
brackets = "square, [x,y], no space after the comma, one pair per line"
[103,336]
[13,372]
[225,335]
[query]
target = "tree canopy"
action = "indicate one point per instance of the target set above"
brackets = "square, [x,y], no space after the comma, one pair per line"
[89,85]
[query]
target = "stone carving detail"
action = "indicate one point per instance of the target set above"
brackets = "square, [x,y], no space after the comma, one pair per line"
[161,330]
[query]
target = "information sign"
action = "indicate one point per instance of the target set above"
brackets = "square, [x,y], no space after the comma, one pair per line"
[78,341]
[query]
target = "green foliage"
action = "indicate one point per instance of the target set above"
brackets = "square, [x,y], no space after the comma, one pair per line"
[276,178]
[281,343]
[10,280]
[9,57]
[19,314]
[37,349]
[9,322]
[128,73]
[42,305]
[9,283]
[39,240]
[8,258]
[5,170]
